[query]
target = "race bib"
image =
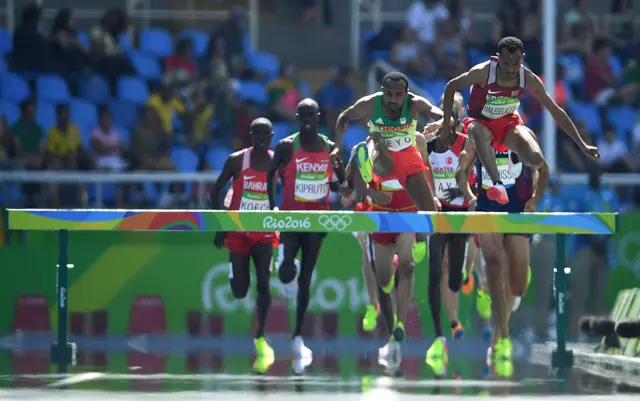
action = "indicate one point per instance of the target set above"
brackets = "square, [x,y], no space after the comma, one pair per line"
[397,143]
[497,107]
[254,201]
[311,187]
[507,175]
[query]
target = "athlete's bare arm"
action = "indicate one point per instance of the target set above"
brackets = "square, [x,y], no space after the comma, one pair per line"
[477,75]
[281,156]
[467,161]
[230,170]
[361,109]
[421,144]
[560,116]
[338,168]
[421,105]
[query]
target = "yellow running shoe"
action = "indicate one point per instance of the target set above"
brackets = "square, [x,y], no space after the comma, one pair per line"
[437,357]
[263,349]
[370,319]
[505,350]
[364,162]
[262,364]
[483,304]
[503,368]
[419,251]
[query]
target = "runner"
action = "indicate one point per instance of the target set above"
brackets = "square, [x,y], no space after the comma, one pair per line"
[507,256]
[307,171]
[483,299]
[248,169]
[393,115]
[496,87]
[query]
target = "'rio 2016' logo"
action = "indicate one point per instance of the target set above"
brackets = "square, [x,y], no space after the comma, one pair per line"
[335,222]
[282,223]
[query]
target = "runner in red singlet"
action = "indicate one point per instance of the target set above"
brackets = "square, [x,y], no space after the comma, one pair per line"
[496,87]
[248,168]
[307,178]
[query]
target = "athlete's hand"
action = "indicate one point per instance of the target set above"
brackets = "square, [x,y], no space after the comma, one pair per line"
[531,205]
[380,197]
[218,240]
[430,131]
[334,157]
[346,201]
[472,204]
[591,151]
[438,203]
[452,193]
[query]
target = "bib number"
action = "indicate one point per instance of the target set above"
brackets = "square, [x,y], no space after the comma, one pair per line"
[312,190]
[398,143]
[504,169]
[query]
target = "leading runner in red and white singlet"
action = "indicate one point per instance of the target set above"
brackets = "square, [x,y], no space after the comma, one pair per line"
[496,87]
[307,172]
[248,168]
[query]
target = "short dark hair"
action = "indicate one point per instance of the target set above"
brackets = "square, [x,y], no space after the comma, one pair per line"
[60,107]
[511,43]
[396,76]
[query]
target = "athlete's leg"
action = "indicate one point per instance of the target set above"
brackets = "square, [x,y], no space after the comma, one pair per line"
[371,314]
[450,298]
[420,192]
[525,146]
[437,243]
[406,264]
[239,277]
[517,249]
[481,137]
[457,246]
[310,244]
[262,253]
[496,269]
[383,256]
[543,257]
[468,281]
[288,249]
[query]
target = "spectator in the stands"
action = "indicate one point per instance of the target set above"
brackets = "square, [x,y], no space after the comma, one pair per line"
[6,142]
[108,57]
[150,145]
[231,30]
[449,50]
[214,65]
[64,147]
[284,94]
[69,54]
[199,116]
[334,96]
[407,54]
[107,144]
[181,65]
[311,11]
[228,106]
[508,22]
[423,17]
[578,14]
[459,11]
[619,18]
[166,105]
[532,32]
[615,156]
[30,49]
[241,70]
[577,40]
[248,113]
[600,82]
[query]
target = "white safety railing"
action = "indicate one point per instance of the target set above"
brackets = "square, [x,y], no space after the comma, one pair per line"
[202,178]
[144,10]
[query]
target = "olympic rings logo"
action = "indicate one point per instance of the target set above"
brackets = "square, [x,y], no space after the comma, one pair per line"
[334,222]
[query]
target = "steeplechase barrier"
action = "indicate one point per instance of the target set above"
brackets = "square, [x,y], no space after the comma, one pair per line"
[63,221]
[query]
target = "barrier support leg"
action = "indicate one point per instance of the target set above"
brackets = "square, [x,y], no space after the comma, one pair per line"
[62,353]
[561,357]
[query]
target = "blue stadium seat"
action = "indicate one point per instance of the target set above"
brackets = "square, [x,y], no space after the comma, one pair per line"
[573,68]
[185,159]
[125,43]
[305,88]
[52,89]
[6,41]
[124,113]
[246,44]
[145,66]
[588,113]
[616,68]
[216,157]
[85,134]
[132,89]
[83,113]
[382,55]
[96,90]
[3,66]
[83,38]
[254,91]
[11,111]
[125,134]
[354,135]
[435,89]
[46,116]
[156,42]
[199,39]
[281,131]
[14,88]
[265,63]
[623,118]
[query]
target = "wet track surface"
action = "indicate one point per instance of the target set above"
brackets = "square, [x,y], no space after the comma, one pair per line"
[125,368]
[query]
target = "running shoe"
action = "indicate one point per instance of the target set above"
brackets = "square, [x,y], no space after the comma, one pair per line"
[300,350]
[398,331]
[498,193]
[468,282]
[419,251]
[437,357]
[457,332]
[483,304]
[263,349]
[364,162]
[262,364]
[389,287]
[502,349]
[528,275]
[370,320]
[389,355]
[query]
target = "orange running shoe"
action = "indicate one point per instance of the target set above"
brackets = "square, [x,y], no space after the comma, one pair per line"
[498,193]
[468,284]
